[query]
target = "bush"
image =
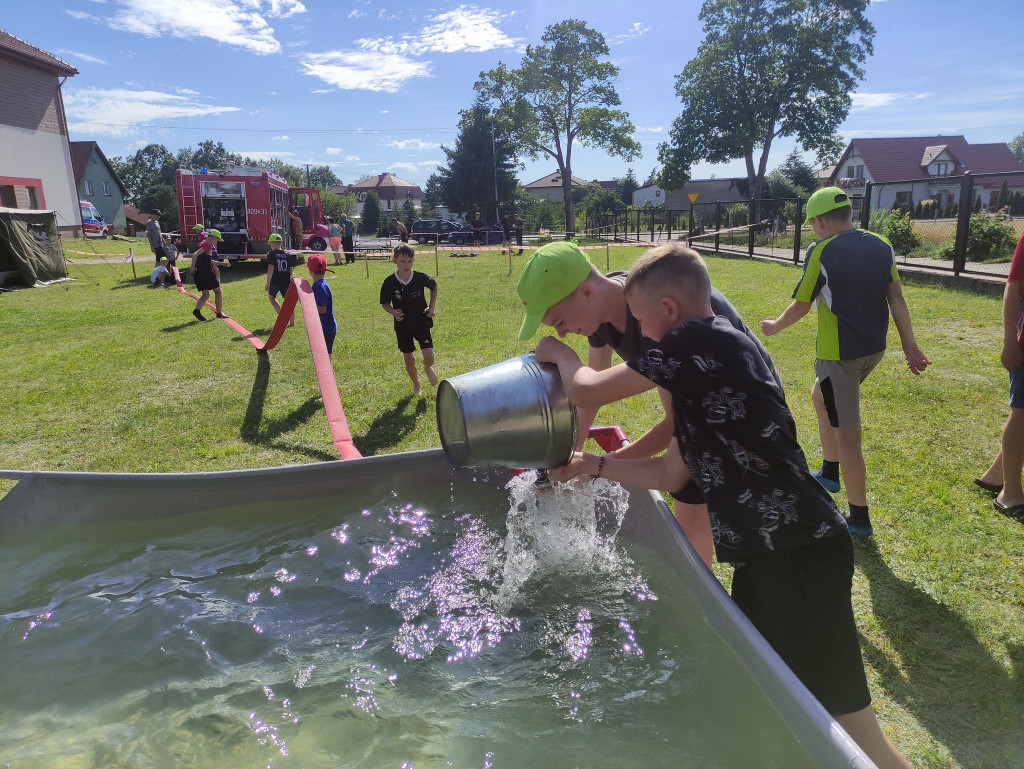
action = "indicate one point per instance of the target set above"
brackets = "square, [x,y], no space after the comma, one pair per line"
[989,236]
[899,230]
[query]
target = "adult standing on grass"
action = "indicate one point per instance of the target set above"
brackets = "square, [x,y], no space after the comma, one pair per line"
[157,240]
[477,226]
[205,269]
[295,227]
[1004,474]
[851,274]
[519,225]
[403,231]
[334,238]
[506,233]
[348,243]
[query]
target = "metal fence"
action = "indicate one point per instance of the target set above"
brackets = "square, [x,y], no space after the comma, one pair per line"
[966,224]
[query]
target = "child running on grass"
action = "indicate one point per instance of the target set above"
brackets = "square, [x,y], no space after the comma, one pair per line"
[280,266]
[402,297]
[205,270]
[734,435]
[324,300]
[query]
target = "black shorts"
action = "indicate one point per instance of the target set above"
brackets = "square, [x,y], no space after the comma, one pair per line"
[206,281]
[276,289]
[406,337]
[690,494]
[799,600]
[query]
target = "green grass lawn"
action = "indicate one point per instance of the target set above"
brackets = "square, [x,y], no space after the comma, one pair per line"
[105,374]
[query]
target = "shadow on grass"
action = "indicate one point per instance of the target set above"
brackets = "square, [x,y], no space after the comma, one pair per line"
[954,687]
[251,431]
[390,427]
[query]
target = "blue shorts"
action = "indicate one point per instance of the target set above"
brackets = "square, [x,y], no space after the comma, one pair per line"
[1017,389]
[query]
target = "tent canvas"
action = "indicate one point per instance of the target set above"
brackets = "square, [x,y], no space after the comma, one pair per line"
[30,245]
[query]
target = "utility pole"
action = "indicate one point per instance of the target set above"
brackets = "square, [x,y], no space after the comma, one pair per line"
[308,183]
[494,159]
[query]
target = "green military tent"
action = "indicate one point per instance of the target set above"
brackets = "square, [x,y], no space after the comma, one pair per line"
[30,245]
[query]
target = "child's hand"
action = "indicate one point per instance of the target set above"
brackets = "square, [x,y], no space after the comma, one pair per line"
[768,327]
[429,312]
[399,315]
[917,361]
[570,470]
[549,350]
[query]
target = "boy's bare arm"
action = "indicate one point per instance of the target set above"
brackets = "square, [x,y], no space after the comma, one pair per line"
[796,311]
[429,311]
[396,314]
[665,473]
[586,387]
[917,361]
[598,358]
[655,440]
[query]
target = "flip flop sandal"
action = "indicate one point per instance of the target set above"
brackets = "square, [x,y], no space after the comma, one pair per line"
[991,487]
[1011,511]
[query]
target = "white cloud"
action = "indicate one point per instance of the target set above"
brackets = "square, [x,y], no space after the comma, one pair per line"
[466,29]
[639,29]
[873,100]
[413,144]
[651,129]
[120,111]
[355,14]
[352,158]
[242,24]
[333,150]
[403,167]
[82,56]
[354,70]
[282,138]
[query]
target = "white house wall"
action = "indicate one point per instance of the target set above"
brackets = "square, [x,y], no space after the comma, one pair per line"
[44,156]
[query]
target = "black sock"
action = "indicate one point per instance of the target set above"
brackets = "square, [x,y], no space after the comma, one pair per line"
[830,470]
[859,515]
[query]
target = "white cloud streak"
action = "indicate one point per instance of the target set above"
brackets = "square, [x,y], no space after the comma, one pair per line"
[413,144]
[353,70]
[119,111]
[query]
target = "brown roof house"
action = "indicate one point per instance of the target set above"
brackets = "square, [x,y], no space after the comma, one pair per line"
[550,187]
[98,183]
[35,157]
[906,170]
[392,191]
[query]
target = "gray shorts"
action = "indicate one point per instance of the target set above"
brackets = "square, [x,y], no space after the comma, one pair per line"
[839,381]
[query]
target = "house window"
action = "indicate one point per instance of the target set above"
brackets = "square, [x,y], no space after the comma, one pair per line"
[106,189]
[33,199]
[904,198]
[942,169]
[855,171]
[7,199]
[88,187]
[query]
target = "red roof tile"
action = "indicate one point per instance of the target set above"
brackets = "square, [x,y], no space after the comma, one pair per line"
[907,157]
[18,48]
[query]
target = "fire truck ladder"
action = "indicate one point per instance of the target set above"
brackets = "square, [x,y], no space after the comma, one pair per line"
[189,212]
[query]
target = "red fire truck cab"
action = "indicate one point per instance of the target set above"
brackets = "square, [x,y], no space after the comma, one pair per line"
[246,205]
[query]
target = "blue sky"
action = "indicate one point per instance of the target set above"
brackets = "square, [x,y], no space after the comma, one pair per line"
[367,86]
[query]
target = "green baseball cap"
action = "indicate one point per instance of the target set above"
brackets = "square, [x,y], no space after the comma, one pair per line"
[551,274]
[214,234]
[824,200]
[197,227]
[275,238]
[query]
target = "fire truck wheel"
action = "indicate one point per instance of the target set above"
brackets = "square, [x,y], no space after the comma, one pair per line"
[317,244]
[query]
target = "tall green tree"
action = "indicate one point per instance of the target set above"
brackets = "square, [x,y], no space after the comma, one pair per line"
[479,166]
[561,93]
[150,168]
[766,68]
[627,186]
[371,219]
[798,171]
[322,177]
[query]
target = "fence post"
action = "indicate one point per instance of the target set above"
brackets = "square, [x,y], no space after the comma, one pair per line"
[718,223]
[750,230]
[962,222]
[865,207]
[798,228]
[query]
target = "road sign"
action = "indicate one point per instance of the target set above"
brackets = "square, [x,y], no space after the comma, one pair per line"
[692,196]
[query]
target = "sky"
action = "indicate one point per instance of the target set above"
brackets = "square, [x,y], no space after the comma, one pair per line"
[368,86]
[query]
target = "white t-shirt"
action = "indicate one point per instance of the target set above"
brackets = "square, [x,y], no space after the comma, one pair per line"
[154,276]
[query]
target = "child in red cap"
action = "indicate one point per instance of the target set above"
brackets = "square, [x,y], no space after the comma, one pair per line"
[324,301]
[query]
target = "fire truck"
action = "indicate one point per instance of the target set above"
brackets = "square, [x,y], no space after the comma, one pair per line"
[246,205]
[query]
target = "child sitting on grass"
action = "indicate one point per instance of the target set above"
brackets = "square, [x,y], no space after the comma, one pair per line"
[770,518]
[402,297]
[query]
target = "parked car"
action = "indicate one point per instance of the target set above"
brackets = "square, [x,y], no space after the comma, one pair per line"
[431,230]
[464,237]
[92,222]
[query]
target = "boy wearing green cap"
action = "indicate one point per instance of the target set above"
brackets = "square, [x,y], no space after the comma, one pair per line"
[280,267]
[561,289]
[851,275]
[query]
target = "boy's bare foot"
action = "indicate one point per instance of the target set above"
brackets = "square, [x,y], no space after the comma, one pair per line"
[431,377]
[416,388]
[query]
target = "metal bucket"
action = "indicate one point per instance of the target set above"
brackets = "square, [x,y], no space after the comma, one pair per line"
[511,414]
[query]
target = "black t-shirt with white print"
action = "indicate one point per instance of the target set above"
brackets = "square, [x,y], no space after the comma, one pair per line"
[738,439]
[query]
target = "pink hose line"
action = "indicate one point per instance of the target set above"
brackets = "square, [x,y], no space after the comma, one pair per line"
[299,291]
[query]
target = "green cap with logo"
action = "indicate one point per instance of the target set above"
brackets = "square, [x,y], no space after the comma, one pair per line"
[275,238]
[824,200]
[550,275]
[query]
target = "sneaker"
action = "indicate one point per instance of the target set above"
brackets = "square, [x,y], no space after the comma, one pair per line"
[861,532]
[198,315]
[826,483]
[222,315]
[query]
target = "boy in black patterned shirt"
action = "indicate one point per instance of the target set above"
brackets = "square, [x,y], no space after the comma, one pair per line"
[771,519]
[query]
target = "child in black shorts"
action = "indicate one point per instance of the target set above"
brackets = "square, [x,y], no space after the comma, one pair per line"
[402,297]
[770,518]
